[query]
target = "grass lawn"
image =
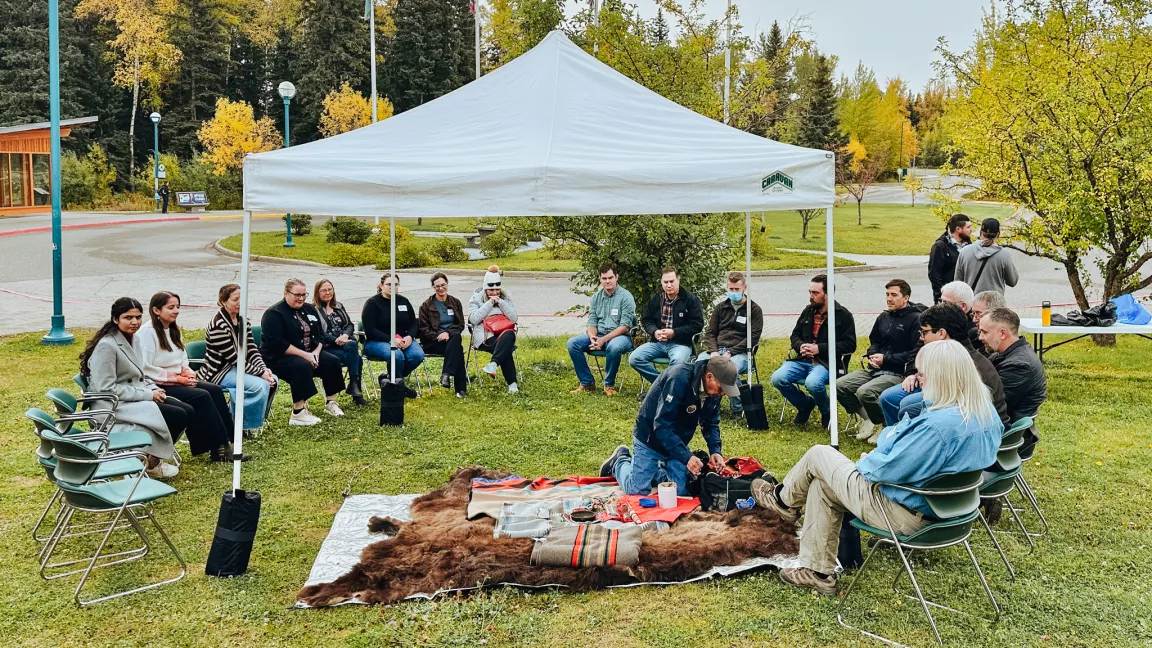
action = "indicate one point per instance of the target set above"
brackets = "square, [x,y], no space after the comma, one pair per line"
[1085,585]
[313,247]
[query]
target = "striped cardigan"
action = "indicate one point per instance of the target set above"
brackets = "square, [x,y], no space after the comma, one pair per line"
[221,342]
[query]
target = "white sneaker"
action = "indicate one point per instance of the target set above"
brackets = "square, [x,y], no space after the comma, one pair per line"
[162,471]
[864,429]
[303,417]
[333,408]
[513,389]
[490,369]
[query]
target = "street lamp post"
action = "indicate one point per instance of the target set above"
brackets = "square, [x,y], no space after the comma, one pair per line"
[58,335]
[287,91]
[155,117]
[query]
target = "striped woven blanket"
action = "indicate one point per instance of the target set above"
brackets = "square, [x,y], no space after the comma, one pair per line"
[588,545]
[489,496]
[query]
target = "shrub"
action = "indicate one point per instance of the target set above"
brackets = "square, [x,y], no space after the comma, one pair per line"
[346,255]
[345,229]
[567,251]
[498,244]
[411,254]
[448,250]
[301,223]
[380,240]
[87,180]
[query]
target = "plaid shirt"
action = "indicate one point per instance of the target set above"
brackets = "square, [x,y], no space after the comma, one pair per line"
[817,322]
[666,311]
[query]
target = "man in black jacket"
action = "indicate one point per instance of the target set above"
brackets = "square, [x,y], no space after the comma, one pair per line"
[671,319]
[893,338]
[1025,385]
[808,362]
[942,257]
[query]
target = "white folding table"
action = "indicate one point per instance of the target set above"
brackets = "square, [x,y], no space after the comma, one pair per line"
[1032,325]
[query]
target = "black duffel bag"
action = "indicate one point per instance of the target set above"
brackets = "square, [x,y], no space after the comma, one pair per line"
[235,533]
[752,400]
[391,402]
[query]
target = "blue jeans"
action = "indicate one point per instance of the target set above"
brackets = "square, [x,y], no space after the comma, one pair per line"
[912,406]
[406,360]
[741,362]
[641,359]
[256,391]
[646,468]
[349,355]
[615,350]
[813,375]
[892,401]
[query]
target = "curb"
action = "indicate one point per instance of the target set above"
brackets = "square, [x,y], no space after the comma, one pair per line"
[220,249]
[134,221]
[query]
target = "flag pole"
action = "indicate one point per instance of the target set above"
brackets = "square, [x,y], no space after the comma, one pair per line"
[476,27]
[727,58]
[372,46]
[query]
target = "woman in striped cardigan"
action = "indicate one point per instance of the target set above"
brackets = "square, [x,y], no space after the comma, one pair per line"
[222,341]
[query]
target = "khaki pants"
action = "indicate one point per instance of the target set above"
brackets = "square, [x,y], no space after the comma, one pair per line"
[862,389]
[827,484]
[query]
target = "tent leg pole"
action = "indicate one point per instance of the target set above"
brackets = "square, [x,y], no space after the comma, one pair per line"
[395,294]
[242,356]
[748,288]
[833,357]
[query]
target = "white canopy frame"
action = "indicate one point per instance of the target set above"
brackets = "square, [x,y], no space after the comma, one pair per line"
[553,133]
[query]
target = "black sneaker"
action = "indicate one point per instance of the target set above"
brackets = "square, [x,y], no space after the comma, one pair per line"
[445,381]
[608,468]
[803,415]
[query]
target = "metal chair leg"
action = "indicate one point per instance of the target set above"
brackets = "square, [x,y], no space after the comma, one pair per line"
[984,582]
[1020,523]
[143,536]
[43,516]
[1026,489]
[999,549]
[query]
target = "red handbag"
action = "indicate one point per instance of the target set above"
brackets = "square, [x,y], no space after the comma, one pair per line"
[497,324]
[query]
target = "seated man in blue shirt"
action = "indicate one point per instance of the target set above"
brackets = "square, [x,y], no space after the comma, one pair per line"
[611,315]
[683,397]
[958,432]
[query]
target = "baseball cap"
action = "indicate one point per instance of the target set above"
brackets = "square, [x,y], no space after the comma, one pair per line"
[725,372]
[990,226]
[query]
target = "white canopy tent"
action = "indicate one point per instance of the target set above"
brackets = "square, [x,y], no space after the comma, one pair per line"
[553,133]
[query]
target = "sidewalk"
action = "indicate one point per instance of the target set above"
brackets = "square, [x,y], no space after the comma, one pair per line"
[36,223]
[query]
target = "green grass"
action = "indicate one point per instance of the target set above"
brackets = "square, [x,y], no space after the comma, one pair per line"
[461,225]
[1086,585]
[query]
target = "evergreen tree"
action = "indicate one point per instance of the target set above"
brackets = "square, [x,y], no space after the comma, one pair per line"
[198,29]
[774,50]
[659,30]
[24,63]
[431,53]
[819,128]
[332,49]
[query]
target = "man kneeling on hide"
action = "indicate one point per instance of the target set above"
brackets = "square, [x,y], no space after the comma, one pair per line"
[958,432]
[683,397]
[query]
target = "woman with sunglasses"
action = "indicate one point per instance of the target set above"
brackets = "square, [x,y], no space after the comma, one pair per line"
[493,318]
[441,327]
[401,346]
[293,351]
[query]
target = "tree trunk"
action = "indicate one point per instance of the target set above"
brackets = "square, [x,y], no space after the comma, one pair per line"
[860,209]
[804,230]
[1108,340]
[132,121]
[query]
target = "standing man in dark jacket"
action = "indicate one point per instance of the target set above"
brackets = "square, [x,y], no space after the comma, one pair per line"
[808,361]
[684,397]
[893,338]
[727,332]
[671,319]
[1020,369]
[164,193]
[942,257]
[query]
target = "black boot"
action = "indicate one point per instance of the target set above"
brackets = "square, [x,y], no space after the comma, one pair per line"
[408,391]
[224,453]
[354,389]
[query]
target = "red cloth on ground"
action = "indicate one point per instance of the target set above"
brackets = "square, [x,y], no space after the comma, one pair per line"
[684,506]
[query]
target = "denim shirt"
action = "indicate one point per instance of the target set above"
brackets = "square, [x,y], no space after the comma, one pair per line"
[608,312]
[938,442]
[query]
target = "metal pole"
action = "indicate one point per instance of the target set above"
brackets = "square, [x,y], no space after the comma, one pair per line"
[596,23]
[476,26]
[156,162]
[287,142]
[727,58]
[242,356]
[57,335]
[833,357]
[372,46]
[395,294]
[748,287]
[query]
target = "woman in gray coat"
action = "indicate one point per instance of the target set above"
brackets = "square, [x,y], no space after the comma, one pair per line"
[111,363]
[493,320]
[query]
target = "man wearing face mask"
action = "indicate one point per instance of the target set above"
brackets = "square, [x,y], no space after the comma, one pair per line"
[727,331]
[945,251]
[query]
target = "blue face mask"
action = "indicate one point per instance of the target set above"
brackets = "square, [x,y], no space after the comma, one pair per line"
[735,296]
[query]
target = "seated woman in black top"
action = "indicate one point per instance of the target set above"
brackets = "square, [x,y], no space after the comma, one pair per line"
[293,351]
[441,324]
[338,333]
[381,343]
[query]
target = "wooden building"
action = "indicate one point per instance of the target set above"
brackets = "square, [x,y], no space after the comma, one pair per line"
[25,166]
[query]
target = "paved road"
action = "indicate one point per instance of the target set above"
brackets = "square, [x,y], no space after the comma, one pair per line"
[102,264]
[894,193]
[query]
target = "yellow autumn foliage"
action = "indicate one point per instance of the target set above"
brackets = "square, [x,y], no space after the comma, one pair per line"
[346,110]
[235,132]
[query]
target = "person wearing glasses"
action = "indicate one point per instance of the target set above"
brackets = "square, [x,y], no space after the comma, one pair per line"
[441,326]
[493,317]
[338,333]
[293,351]
[401,345]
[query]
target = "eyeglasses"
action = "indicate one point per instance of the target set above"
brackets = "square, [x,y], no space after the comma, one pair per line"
[299,295]
[439,285]
[494,286]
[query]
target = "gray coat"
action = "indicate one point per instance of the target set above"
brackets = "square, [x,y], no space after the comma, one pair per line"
[116,367]
[481,308]
[999,275]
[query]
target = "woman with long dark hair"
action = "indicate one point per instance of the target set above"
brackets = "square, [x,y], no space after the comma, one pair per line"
[166,363]
[111,362]
[338,333]
[222,347]
[441,325]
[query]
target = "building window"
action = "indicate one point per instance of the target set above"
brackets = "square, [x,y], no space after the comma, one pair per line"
[5,182]
[18,171]
[41,180]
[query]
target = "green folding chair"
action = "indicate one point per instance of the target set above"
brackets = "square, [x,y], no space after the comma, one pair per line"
[258,335]
[1005,476]
[77,467]
[197,354]
[954,500]
[472,358]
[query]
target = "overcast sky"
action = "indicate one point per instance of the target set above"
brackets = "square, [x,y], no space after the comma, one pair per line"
[893,38]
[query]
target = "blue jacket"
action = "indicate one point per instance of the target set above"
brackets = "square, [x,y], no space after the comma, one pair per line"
[938,442]
[674,407]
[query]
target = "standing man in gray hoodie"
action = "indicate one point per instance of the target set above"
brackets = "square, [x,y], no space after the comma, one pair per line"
[986,265]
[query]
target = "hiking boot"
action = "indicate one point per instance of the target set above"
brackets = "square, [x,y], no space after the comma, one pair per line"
[767,495]
[802,415]
[864,429]
[445,381]
[609,390]
[875,438]
[333,408]
[805,578]
[608,468]
[583,389]
[303,417]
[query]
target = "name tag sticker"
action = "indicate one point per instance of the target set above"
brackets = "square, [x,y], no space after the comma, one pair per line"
[451,312]
[312,318]
[680,314]
[740,319]
[402,307]
[615,312]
